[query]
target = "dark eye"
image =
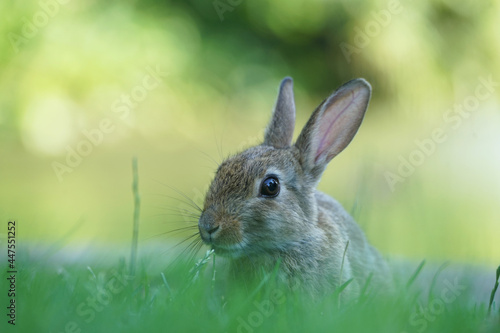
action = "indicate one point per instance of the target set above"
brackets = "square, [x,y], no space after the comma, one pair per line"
[270,187]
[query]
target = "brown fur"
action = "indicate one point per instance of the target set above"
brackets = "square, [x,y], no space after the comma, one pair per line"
[302,228]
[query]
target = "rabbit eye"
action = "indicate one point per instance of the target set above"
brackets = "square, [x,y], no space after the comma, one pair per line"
[270,187]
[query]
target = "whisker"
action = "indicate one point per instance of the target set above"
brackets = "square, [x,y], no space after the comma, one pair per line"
[188,222]
[187,209]
[181,255]
[196,217]
[181,242]
[183,195]
[181,212]
[185,240]
[193,249]
[172,231]
[183,228]
[210,158]
[181,209]
[190,202]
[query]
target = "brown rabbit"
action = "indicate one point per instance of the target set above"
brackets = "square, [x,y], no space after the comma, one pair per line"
[263,206]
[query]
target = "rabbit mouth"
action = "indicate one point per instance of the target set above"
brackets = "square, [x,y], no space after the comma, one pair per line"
[230,250]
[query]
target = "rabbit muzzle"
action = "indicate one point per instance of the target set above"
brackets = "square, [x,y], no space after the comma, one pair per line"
[222,232]
[209,229]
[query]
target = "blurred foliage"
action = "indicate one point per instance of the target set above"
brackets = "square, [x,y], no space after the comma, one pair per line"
[92,296]
[222,78]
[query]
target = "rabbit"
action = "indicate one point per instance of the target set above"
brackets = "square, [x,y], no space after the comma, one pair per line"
[263,208]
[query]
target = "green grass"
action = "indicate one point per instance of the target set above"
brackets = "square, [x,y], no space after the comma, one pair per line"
[190,292]
[196,297]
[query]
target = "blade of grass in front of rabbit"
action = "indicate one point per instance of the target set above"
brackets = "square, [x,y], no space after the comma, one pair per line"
[213,273]
[341,288]
[251,296]
[434,280]
[253,267]
[199,267]
[362,294]
[342,270]
[409,297]
[493,292]
[415,274]
[273,275]
[165,283]
[247,282]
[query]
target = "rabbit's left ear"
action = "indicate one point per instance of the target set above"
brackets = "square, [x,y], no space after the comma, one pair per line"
[333,125]
[279,132]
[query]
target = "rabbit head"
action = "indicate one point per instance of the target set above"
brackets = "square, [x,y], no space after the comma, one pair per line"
[263,199]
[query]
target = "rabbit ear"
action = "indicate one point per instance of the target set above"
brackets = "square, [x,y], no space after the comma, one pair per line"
[333,125]
[279,132]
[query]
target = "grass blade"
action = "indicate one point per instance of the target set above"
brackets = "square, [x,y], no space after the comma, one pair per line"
[137,207]
[415,274]
[493,292]
[434,280]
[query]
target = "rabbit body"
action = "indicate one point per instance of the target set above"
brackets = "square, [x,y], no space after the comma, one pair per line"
[263,208]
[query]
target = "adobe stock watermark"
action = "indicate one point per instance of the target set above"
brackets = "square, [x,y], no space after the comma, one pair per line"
[93,304]
[32,25]
[422,316]
[363,36]
[222,6]
[122,107]
[453,118]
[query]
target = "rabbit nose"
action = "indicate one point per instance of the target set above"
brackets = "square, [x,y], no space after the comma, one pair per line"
[214,229]
[208,232]
[208,227]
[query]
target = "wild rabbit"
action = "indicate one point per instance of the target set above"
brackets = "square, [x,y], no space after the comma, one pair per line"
[263,206]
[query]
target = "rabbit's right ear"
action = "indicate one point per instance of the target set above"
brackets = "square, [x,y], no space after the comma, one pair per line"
[332,126]
[279,132]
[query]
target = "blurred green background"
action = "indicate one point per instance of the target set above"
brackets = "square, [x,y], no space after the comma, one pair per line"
[71,70]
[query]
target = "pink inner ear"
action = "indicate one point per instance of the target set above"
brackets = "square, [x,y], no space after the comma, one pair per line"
[333,128]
